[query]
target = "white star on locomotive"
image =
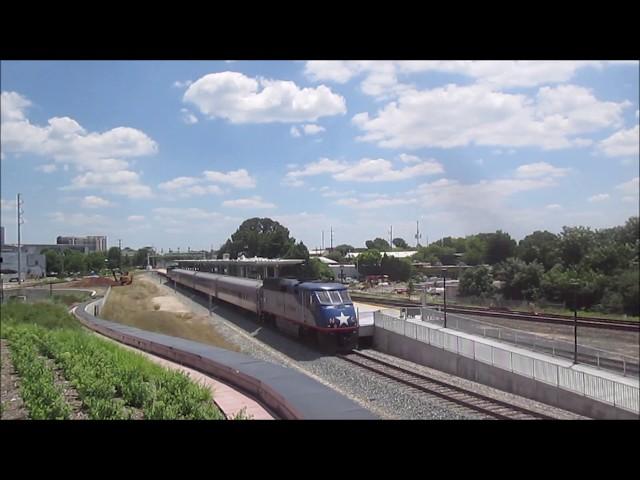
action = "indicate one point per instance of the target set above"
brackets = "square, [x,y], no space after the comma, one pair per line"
[343,318]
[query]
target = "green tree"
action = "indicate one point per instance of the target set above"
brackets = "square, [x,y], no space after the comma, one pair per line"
[400,243]
[297,250]
[317,270]
[628,285]
[75,262]
[261,237]
[575,242]
[113,256]
[540,246]
[54,261]
[521,280]
[500,246]
[96,261]
[476,281]
[344,249]
[397,269]
[369,262]
[140,258]
[337,256]
[474,250]
[379,244]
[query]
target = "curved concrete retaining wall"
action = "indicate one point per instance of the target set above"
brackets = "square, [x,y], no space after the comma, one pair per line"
[286,392]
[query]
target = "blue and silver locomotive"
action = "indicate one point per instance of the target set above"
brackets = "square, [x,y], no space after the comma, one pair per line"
[322,311]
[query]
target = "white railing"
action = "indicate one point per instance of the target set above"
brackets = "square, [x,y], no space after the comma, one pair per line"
[608,391]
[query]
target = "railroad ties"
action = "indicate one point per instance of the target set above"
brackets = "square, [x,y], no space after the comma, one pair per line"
[492,408]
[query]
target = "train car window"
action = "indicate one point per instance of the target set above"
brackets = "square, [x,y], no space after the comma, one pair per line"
[345,296]
[323,297]
[335,297]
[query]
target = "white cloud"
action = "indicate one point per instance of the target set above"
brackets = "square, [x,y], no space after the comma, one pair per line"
[312,129]
[182,84]
[336,192]
[182,215]
[135,218]
[601,197]
[409,158]
[236,178]
[47,168]
[77,219]
[12,107]
[380,202]
[252,202]
[487,195]
[365,170]
[67,142]
[624,142]
[92,201]
[456,116]
[188,117]
[553,206]
[179,183]
[632,187]
[381,77]
[121,182]
[540,169]
[241,99]
[380,170]
[295,133]
[202,190]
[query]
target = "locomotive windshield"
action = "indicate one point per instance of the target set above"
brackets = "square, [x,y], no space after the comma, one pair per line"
[333,297]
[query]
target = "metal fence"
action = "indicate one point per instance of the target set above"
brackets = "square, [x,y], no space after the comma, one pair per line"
[608,391]
[612,361]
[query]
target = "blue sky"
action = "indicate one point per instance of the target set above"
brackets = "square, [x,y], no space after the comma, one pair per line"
[178,154]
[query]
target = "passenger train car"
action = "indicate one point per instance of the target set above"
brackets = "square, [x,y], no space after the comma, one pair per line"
[323,311]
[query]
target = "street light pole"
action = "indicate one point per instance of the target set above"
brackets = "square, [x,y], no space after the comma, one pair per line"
[575,321]
[575,325]
[444,278]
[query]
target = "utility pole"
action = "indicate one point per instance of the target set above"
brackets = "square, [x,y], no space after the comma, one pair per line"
[418,236]
[331,248]
[323,240]
[120,254]
[20,222]
[391,236]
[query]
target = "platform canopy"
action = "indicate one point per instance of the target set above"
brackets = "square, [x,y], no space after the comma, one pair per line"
[256,267]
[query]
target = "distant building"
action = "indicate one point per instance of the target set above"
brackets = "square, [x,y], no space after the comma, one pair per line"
[32,264]
[393,253]
[39,247]
[93,243]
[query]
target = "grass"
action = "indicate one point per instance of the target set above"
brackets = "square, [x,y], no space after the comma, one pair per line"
[133,305]
[112,382]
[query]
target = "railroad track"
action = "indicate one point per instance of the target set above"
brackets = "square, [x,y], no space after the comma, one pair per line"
[605,323]
[477,402]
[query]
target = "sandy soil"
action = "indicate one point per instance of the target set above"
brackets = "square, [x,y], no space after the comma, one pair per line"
[169,304]
[12,405]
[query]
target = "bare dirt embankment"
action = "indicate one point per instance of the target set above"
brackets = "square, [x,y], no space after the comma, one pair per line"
[143,305]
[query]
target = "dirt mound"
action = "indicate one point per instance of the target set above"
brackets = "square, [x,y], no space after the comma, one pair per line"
[94,282]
